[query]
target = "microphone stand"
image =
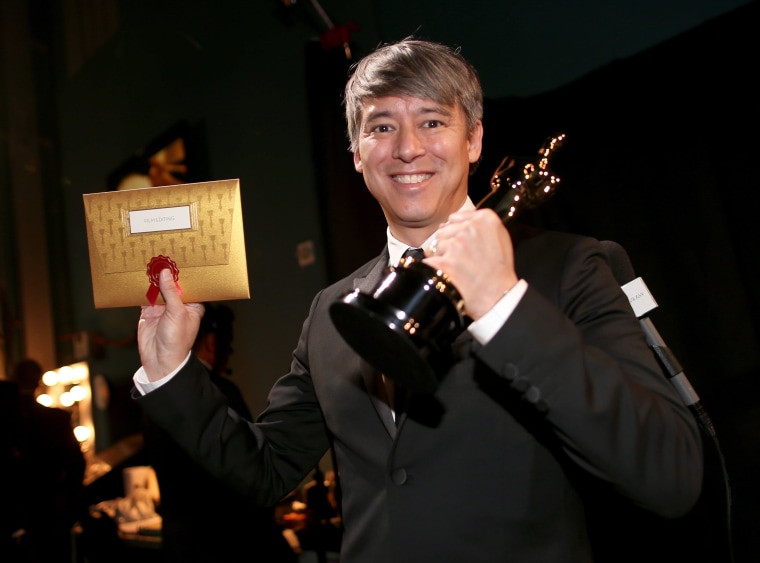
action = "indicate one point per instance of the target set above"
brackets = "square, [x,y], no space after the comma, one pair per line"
[676,376]
[642,303]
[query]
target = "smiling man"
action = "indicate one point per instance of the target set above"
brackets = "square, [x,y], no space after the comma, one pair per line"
[415,156]
[552,396]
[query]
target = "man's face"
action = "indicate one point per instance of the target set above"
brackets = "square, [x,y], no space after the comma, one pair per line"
[415,157]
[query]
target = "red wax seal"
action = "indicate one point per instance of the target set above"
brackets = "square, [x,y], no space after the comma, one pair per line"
[156,264]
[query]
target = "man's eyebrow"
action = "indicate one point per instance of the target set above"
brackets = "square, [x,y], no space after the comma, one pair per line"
[437,108]
[378,114]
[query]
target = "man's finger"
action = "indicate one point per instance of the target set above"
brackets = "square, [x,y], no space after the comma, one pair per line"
[168,288]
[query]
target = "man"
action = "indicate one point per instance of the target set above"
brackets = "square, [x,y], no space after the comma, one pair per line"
[552,397]
[50,472]
[203,519]
[12,509]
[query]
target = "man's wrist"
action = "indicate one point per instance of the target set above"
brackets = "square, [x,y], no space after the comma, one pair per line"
[484,329]
[144,385]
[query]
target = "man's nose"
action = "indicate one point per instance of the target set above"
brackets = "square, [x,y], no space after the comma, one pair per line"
[409,144]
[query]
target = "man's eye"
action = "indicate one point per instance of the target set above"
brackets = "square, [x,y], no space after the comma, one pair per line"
[381,129]
[433,123]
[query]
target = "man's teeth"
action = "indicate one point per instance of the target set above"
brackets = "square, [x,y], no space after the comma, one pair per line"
[411,178]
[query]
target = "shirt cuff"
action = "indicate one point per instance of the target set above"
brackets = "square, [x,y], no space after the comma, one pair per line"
[484,329]
[145,385]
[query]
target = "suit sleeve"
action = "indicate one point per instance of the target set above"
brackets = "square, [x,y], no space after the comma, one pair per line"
[264,461]
[575,352]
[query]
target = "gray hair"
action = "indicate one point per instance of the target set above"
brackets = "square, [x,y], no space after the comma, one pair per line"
[413,67]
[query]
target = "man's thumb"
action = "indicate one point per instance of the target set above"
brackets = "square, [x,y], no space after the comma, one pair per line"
[167,286]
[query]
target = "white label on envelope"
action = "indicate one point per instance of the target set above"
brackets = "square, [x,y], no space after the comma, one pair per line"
[160,219]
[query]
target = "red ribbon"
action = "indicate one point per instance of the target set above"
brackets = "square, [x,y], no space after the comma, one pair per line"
[156,264]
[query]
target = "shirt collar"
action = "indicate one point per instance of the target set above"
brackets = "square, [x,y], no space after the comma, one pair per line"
[396,248]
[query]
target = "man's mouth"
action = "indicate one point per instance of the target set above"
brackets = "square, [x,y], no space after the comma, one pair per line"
[411,178]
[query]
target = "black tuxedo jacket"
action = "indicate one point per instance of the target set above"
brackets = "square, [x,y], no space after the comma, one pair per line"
[565,402]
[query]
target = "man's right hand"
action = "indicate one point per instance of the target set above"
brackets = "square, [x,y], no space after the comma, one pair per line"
[166,333]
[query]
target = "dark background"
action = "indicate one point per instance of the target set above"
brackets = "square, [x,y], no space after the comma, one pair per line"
[657,101]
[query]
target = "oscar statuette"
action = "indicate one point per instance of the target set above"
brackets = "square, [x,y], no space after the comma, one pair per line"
[405,325]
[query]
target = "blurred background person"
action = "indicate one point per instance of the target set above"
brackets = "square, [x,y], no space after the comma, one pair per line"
[49,470]
[202,519]
[12,506]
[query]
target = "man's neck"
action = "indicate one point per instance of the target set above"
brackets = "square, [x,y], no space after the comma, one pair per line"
[397,246]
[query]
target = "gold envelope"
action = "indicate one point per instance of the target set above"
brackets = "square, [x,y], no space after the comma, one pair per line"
[197,226]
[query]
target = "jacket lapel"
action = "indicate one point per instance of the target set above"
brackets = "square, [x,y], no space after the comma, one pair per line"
[372,379]
[378,270]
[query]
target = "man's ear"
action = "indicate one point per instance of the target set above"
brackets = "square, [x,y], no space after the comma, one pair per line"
[207,343]
[475,142]
[211,341]
[358,162]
